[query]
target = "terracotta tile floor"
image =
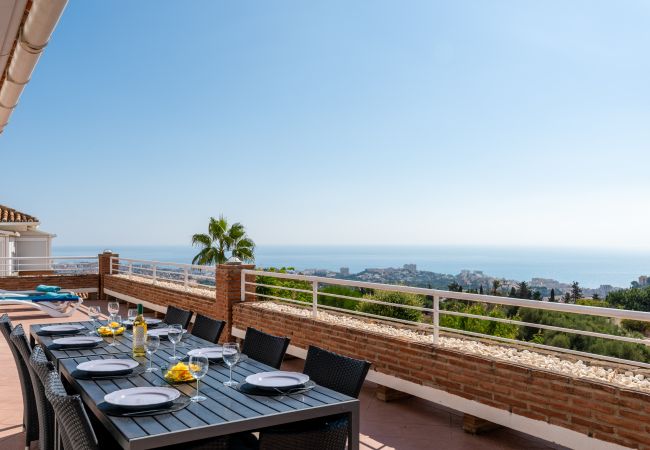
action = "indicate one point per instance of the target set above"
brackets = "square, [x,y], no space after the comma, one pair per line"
[410,424]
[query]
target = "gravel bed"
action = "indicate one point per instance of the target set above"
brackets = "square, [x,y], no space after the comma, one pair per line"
[580,369]
[202,291]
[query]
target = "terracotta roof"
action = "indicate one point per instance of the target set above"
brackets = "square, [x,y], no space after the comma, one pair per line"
[11,215]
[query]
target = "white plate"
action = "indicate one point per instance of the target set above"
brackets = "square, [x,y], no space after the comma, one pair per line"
[78,341]
[142,397]
[208,352]
[148,321]
[108,365]
[277,379]
[62,329]
[161,332]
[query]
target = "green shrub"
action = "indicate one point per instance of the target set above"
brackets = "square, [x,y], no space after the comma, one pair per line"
[393,311]
[339,302]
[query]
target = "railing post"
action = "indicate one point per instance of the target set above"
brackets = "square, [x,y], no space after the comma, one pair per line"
[314,300]
[436,319]
[186,274]
[153,274]
[130,270]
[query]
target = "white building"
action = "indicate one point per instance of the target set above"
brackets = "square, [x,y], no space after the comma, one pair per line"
[21,238]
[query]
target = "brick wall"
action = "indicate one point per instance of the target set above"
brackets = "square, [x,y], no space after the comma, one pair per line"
[595,409]
[29,282]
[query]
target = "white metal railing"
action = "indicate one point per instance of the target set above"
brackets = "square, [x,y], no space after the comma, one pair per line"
[57,265]
[435,311]
[182,275]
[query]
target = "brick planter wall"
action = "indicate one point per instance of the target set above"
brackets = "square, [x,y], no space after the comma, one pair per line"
[161,296]
[29,282]
[591,408]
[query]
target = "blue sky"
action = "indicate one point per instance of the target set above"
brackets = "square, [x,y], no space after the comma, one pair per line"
[367,122]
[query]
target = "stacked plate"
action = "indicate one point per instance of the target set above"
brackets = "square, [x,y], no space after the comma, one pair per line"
[161,332]
[151,322]
[62,329]
[212,353]
[78,341]
[277,380]
[142,397]
[108,366]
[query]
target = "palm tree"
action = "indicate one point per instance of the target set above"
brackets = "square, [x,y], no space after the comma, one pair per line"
[220,239]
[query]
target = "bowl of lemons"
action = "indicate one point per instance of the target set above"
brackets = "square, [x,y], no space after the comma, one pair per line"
[179,373]
[106,331]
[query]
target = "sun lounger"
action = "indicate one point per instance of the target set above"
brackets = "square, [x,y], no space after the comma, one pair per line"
[61,304]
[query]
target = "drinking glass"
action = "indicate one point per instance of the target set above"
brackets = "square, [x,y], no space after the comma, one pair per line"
[132,313]
[151,344]
[94,312]
[174,334]
[198,368]
[230,357]
[115,322]
[113,308]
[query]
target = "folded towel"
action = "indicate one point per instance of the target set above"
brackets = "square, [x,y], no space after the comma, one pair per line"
[46,288]
[54,298]
[54,295]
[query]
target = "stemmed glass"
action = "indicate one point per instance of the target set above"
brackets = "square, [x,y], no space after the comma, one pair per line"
[115,322]
[151,344]
[113,308]
[94,312]
[230,357]
[199,365]
[174,334]
[132,313]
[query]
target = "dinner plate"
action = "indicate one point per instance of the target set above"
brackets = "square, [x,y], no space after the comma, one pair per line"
[62,329]
[208,352]
[142,397]
[161,332]
[277,379]
[148,321]
[78,341]
[111,365]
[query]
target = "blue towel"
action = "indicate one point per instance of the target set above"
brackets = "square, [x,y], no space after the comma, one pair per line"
[49,297]
[46,288]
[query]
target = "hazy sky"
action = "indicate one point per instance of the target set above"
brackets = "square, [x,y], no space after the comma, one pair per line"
[338,122]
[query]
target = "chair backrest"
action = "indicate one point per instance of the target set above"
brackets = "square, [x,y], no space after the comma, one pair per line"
[207,328]
[265,348]
[74,424]
[43,407]
[337,372]
[30,413]
[178,315]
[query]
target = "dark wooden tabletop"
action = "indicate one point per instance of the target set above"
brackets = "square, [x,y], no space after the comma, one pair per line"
[225,411]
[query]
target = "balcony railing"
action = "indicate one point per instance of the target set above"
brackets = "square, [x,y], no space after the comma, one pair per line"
[56,265]
[157,272]
[431,323]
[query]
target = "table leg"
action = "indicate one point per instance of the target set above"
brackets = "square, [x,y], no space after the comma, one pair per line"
[353,429]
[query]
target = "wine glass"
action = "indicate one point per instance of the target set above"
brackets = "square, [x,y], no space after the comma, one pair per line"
[199,365]
[132,313]
[174,334]
[94,312]
[113,308]
[115,323]
[230,357]
[151,344]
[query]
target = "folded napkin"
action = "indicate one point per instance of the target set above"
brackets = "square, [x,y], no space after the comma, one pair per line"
[46,288]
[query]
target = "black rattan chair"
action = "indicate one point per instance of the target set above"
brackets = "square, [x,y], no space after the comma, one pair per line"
[30,412]
[265,348]
[206,328]
[73,422]
[178,315]
[331,370]
[45,413]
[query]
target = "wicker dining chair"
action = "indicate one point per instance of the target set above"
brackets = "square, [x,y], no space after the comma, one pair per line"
[331,370]
[43,407]
[207,328]
[30,412]
[73,422]
[178,315]
[265,348]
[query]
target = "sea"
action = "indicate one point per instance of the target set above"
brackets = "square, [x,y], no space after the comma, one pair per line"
[590,267]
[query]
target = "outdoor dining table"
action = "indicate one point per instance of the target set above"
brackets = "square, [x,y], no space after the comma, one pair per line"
[225,411]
